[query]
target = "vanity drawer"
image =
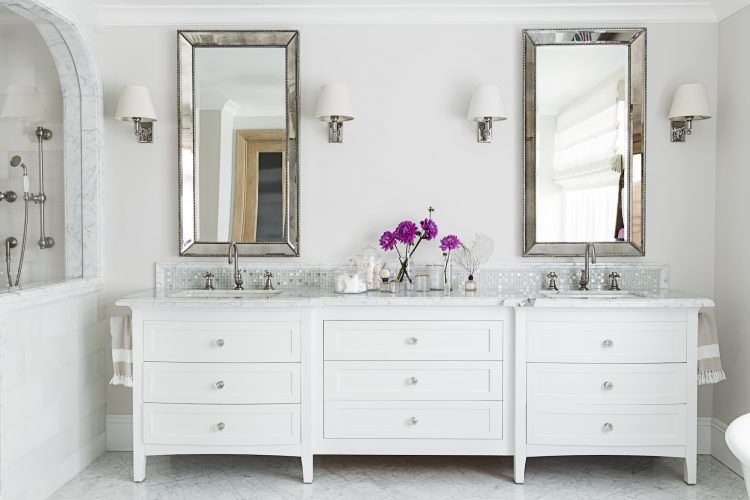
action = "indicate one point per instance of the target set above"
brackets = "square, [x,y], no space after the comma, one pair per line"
[221,424]
[206,341]
[413,419]
[606,383]
[413,340]
[221,383]
[606,425]
[606,342]
[413,380]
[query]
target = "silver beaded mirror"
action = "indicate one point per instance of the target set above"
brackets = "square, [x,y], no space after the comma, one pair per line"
[238,137]
[584,109]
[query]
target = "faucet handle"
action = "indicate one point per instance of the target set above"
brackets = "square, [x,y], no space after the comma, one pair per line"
[552,285]
[268,274]
[614,283]
[209,280]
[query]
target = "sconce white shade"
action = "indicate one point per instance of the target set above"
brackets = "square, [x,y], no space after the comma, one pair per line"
[486,102]
[135,102]
[690,100]
[334,101]
[22,103]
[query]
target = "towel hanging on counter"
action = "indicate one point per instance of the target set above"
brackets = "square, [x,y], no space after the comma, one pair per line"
[709,361]
[122,350]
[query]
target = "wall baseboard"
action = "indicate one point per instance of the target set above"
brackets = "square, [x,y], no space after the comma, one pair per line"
[710,438]
[719,448]
[119,433]
[704,435]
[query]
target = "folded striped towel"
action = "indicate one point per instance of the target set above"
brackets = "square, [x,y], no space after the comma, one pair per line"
[122,350]
[709,361]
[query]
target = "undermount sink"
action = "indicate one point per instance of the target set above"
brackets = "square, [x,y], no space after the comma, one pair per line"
[227,294]
[592,294]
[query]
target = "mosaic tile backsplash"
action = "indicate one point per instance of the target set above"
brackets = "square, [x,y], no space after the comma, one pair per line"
[504,279]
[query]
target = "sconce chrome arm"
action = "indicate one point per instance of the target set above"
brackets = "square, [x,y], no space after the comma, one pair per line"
[681,129]
[335,130]
[143,130]
[484,130]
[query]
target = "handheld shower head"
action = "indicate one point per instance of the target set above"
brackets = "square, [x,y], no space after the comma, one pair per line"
[17,161]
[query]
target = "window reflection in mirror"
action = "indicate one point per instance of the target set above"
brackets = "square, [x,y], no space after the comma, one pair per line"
[582,147]
[240,110]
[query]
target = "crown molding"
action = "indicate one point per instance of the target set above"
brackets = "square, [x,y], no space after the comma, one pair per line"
[579,12]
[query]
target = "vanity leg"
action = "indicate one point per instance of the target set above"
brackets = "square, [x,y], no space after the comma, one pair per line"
[691,469]
[139,467]
[519,466]
[307,469]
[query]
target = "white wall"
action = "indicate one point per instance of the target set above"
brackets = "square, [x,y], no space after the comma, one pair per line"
[25,60]
[54,395]
[409,147]
[732,398]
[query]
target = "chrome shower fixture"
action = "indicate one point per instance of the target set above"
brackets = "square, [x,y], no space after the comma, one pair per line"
[17,161]
[10,242]
[42,134]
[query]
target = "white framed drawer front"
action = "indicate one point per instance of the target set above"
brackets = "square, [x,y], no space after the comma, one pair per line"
[606,342]
[221,383]
[606,383]
[413,340]
[214,341]
[413,380]
[607,425]
[221,424]
[413,419]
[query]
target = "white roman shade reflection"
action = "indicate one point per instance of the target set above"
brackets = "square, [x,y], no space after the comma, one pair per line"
[589,137]
[590,140]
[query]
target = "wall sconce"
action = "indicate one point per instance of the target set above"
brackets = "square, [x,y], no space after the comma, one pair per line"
[486,107]
[135,105]
[690,103]
[334,107]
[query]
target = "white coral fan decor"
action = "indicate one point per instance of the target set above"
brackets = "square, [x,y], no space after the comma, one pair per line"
[470,257]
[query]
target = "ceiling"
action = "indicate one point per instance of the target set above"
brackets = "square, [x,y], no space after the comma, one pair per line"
[160,12]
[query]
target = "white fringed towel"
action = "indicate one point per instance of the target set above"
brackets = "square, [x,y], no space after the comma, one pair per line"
[122,350]
[709,361]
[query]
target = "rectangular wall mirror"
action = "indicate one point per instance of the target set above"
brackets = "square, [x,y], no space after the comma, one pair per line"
[238,97]
[584,154]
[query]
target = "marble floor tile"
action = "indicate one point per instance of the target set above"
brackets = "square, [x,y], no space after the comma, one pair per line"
[223,477]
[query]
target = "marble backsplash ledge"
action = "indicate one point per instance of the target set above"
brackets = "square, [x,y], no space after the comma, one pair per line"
[501,278]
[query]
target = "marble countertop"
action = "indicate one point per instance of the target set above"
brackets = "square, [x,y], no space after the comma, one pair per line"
[317,297]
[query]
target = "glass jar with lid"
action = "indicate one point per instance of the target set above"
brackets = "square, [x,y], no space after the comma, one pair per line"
[350,279]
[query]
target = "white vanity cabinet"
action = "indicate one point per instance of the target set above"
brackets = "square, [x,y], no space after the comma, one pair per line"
[414,381]
[219,381]
[609,381]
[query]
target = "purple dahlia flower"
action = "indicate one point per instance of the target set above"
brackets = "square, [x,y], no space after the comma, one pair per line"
[450,242]
[387,241]
[405,232]
[429,229]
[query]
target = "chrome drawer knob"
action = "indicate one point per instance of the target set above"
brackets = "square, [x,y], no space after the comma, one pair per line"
[219,384]
[220,342]
[412,340]
[608,386]
[607,427]
[412,380]
[221,426]
[413,421]
[608,344]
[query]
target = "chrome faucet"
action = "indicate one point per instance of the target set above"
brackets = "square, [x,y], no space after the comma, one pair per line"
[585,272]
[233,252]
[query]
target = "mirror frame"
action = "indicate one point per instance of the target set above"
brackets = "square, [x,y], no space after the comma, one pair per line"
[635,40]
[188,165]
